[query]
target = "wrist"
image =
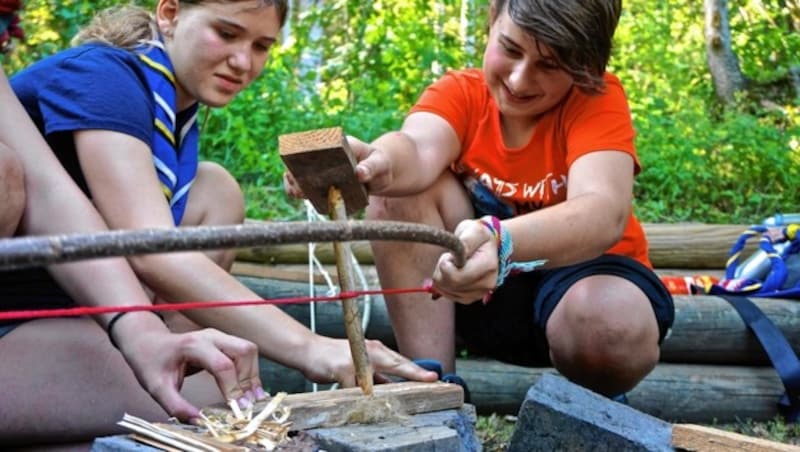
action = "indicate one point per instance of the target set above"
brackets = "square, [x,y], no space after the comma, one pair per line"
[123,321]
[505,249]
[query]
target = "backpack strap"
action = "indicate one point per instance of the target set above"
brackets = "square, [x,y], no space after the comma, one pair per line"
[778,350]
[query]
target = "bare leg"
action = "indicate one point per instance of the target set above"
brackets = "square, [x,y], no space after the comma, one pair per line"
[63,382]
[603,334]
[215,199]
[12,191]
[424,328]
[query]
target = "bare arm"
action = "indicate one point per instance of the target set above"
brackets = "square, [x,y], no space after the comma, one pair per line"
[52,195]
[591,220]
[407,161]
[192,276]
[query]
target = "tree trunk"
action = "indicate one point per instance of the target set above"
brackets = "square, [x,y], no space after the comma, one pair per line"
[722,61]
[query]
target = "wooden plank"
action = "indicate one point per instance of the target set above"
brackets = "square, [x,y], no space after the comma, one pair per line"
[389,401]
[319,159]
[707,439]
[689,246]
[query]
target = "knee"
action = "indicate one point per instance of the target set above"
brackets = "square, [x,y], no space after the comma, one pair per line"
[12,191]
[221,193]
[600,347]
[391,209]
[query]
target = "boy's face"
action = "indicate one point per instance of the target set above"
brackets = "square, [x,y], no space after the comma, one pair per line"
[524,79]
[218,49]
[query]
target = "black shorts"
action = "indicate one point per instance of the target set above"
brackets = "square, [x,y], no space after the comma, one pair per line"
[512,326]
[29,289]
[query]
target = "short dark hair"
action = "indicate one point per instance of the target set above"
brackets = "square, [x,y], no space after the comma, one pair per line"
[579,32]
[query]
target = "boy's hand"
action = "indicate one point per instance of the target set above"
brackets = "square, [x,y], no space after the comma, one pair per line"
[479,274]
[374,168]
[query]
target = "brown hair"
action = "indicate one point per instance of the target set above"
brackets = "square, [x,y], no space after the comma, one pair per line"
[128,26]
[579,32]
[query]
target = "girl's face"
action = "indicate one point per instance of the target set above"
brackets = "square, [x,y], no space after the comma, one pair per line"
[217,49]
[524,79]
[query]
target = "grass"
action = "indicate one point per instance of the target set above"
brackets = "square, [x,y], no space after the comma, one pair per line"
[494,431]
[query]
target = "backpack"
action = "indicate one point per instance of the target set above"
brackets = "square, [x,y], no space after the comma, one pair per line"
[772,271]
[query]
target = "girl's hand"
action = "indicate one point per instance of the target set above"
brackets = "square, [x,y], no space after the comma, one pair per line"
[291,187]
[479,274]
[161,359]
[330,361]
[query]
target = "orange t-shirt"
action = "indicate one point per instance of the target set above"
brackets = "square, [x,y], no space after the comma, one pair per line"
[535,175]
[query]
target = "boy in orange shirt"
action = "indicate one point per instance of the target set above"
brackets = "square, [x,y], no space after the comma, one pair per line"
[538,146]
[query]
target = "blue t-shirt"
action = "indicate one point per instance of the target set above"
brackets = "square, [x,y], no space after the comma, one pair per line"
[93,86]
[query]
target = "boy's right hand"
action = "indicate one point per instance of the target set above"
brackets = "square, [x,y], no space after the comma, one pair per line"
[374,168]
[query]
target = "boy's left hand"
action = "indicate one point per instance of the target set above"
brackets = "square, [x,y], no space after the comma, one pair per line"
[479,274]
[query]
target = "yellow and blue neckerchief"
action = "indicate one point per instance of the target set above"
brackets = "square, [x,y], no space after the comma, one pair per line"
[175,145]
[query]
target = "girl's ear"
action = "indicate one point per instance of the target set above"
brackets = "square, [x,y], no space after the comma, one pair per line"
[166,16]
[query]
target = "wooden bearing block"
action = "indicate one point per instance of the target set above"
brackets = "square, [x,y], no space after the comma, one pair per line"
[319,159]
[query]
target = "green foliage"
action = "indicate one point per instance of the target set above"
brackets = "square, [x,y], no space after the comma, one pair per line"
[361,65]
[494,432]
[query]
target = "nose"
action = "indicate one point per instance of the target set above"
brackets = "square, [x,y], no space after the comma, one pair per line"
[519,77]
[240,59]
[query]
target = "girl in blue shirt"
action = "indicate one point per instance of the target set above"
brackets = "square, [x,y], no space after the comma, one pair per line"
[119,111]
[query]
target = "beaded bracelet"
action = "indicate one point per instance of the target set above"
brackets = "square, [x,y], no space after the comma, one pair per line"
[117,316]
[505,247]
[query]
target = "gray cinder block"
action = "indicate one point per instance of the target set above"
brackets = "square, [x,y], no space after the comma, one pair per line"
[560,415]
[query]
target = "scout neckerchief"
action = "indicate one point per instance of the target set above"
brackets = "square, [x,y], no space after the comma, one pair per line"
[175,151]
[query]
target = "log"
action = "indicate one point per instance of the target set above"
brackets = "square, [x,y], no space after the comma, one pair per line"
[690,393]
[707,330]
[681,245]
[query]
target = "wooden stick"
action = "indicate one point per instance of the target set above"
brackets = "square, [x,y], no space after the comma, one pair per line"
[352,323]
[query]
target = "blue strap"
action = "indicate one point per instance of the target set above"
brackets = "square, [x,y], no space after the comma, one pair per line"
[778,350]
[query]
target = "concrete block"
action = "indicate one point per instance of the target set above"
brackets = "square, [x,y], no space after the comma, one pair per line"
[560,415]
[445,431]
[120,443]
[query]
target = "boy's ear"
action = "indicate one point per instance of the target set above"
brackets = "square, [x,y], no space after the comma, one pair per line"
[492,12]
[166,15]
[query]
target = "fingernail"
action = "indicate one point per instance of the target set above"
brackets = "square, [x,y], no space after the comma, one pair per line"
[427,284]
[244,403]
[260,393]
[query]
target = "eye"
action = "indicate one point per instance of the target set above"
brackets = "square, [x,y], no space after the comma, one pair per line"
[225,34]
[548,65]
[261,47]
[510,50]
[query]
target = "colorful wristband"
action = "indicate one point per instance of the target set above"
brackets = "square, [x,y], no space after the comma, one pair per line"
[505,248]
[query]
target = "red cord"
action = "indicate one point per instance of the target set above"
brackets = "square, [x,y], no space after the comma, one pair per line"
[86,310]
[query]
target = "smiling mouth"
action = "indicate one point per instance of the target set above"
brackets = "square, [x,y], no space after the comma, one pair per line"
[514,97]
